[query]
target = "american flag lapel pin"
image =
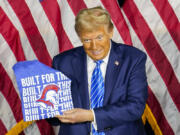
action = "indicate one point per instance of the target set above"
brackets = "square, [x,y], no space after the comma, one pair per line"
[116,63]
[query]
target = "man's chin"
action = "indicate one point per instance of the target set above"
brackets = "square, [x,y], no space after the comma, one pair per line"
[97,57]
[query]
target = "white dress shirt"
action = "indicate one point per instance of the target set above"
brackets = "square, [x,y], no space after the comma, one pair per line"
[90,68]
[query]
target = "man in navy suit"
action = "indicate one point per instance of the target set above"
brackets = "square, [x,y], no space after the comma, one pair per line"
[123,70]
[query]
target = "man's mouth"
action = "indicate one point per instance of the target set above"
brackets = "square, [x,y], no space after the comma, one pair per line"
[97,52]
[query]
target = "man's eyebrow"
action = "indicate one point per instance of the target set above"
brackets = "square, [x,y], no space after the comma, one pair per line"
[100,35]
[86,38]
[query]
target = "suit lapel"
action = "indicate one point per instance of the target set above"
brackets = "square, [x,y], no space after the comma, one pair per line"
[79,64]
[80,69]
[112,71]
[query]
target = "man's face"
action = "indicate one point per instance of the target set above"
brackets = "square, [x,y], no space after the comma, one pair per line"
[97,43]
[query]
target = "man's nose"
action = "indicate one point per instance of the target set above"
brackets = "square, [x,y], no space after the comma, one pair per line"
[93,44]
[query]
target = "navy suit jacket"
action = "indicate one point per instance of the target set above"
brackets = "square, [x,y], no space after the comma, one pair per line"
[125,91]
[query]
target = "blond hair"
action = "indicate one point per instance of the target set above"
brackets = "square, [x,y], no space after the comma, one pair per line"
[91,19]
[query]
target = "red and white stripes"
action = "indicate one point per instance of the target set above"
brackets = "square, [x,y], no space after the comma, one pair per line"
[150,33]
[40,29]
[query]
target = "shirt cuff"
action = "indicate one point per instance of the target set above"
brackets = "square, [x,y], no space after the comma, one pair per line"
[94,122]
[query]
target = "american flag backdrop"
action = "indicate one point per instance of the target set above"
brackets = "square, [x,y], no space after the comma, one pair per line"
[40,29]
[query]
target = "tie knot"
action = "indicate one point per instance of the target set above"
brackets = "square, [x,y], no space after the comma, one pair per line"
[98,63]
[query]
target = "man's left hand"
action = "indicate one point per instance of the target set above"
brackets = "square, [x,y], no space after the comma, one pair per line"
[76,115]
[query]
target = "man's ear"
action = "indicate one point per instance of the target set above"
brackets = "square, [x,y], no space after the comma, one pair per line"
[110,33]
